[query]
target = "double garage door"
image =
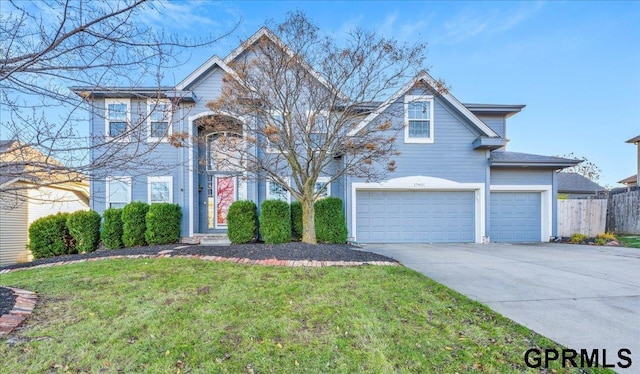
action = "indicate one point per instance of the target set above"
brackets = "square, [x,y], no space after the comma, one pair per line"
[444,216]
[415,216]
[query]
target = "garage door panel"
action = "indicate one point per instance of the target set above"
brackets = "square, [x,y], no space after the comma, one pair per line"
[415,216]
[515,217]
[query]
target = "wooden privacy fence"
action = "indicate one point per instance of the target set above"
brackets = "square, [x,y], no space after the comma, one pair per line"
[624,213]
[584,216]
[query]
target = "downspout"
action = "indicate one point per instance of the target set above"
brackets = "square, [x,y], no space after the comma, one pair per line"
[486,239]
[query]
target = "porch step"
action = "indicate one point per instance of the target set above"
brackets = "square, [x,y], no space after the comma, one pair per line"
[215,239]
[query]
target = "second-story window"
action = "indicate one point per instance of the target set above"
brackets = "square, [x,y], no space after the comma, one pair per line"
[159,120]
[117,117]
[418,111]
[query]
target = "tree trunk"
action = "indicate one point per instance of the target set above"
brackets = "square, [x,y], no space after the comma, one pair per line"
[308,221]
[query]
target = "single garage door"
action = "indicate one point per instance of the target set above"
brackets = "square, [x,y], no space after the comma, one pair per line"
[515,217]
[415,216]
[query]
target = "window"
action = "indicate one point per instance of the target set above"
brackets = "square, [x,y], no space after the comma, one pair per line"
[318,132]
[276,125]
[322,184]
[276,191]
[160,189]
[118,191]
[418,126]
[224,151]
[159,120]
[117,117]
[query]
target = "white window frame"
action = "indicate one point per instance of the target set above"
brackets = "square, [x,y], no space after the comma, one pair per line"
[151,104]
[412,99]
[124,179]
[107,120]
[322,114]
[324,180]
[163,179]
[268,191]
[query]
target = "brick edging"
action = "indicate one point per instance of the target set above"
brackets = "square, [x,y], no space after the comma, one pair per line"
[22,309]
[265,262]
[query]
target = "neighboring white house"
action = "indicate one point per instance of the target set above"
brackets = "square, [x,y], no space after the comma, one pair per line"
[23,199]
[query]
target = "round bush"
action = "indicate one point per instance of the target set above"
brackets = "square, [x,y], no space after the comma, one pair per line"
[111,234]
[134,223]
[163,223]
[330,223]
[275,222]
[84,226]
[296,219]
[242,221]
[49,236]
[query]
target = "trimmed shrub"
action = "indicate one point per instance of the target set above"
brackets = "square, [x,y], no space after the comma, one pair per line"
[84,226]
[242,221]
[296,220]
[134,223]
[112,228]
[275,222]
[163,223]
[330,223]
[49,236]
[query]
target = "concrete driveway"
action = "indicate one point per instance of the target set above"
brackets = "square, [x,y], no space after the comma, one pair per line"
[579,296]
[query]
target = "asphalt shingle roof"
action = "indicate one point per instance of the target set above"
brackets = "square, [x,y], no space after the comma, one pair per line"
[576,183]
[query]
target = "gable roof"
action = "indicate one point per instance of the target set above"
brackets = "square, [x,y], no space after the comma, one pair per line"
[517,159]
[448,97]
[23,163]
[264,32]
[634,140]
[576,183]
[203,69]
[632,180]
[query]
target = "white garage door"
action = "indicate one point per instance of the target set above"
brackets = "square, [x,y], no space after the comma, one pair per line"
[515,217]
[415,216]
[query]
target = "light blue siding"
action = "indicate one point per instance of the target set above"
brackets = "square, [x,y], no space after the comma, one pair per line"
[415,216]
[515,217]
[521,176]
[496,122]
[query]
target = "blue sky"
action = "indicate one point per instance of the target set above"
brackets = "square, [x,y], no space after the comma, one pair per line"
[576,65]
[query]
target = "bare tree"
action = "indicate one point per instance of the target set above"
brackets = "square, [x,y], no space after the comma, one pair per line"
[302,96]
[48,46]
[586,168]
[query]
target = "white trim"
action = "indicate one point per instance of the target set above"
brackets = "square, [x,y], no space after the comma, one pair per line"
[190,166]
[152,103]
[546,201]
[422,183]
[264,31]
[214,60]
[413,99]
[268,190]
[214,181]
[324,180]
[164,179]
[107,121]
[124,179]
[446,95]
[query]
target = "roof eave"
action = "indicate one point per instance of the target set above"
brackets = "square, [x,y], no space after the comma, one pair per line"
[634,140]
[524,164]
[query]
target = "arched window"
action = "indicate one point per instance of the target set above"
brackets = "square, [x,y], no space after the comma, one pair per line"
[224,151]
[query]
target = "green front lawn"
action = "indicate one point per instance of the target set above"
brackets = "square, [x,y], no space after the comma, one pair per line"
[183,315]
[630,241]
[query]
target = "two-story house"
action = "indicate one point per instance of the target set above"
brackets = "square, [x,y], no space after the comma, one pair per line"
[454,181]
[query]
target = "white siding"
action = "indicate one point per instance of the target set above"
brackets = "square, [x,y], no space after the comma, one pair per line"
[46,200]
[13,233]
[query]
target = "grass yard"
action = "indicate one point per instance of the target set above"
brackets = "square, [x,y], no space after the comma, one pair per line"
[630,241]
[184,315]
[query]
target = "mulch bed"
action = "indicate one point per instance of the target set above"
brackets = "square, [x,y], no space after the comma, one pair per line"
[295,251]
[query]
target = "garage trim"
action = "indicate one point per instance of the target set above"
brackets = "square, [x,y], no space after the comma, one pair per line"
[422,183]
[545,204]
